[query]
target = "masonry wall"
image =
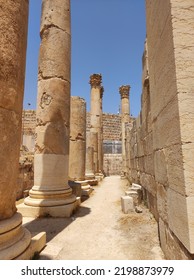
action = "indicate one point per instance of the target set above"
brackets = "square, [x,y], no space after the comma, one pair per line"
[162,138]
[112,146]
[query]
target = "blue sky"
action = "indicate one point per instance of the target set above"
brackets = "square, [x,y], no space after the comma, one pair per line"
[108,38]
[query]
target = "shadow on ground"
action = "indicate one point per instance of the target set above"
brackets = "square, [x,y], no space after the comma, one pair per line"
[53,226]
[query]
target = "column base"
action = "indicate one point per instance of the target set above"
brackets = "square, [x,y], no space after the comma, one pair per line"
[99,176]
[92,181]
[85,187]
[16,242]
[61,211]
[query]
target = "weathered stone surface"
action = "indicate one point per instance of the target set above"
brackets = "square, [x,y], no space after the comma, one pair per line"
[77,139]
[166,129]
[127,204]
[56,14]
[92,141]
[180,168]
[55,31]
[51,161]
[160,167]
[89,162]
[181,215]
[161,55]
[96,115]
[148,182]
[171,246]
[52,121]
[162,202]
[13,30]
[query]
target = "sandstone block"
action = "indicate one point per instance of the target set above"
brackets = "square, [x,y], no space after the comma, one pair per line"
[127,204]
[162,202]
[160,167]
[181,216]
[148,182]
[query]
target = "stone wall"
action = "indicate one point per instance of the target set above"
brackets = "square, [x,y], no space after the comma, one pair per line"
[111,124]
[28,122]
[112,164]
[162,137]
[112,147]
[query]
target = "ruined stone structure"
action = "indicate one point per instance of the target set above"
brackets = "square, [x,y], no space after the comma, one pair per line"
[77,155]
[51,194]
[156,151]
[15,240]
[162,143]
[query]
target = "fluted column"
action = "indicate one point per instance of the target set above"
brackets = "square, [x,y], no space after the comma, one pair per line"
[77,158]
[95,113]
[125,117]
[14,239]
[51,194]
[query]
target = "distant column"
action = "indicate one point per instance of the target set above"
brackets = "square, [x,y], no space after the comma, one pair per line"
[14,239]
[91,157]
[95,113]
[101,124]
[90,163]
[125,117]
[92,141]
[77,159]
[51,194]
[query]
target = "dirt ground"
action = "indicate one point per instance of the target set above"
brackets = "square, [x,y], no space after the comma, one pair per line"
[99,230]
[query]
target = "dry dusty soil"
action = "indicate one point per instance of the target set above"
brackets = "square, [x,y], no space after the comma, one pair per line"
[99,230]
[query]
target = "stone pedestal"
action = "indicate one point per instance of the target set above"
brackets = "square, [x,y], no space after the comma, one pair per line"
[77,159]
[15,240]
[51,194]
[96,116]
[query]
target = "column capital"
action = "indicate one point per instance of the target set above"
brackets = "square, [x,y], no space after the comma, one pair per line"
[95,80]
[101,91]
[124,91]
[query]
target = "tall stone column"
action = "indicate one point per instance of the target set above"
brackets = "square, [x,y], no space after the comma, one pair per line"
[77,158]
[101,124]
[51,194]
[14,239]
[125,117]
[95,113]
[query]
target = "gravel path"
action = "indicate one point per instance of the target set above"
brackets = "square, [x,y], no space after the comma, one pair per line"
[99,230]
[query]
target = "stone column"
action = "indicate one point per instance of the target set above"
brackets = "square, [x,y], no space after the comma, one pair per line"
[77,158]
[14,239]
[92,141]
[101,124]
[51,194]
[125,117]
[95,114]
[90,163]
[91,157]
